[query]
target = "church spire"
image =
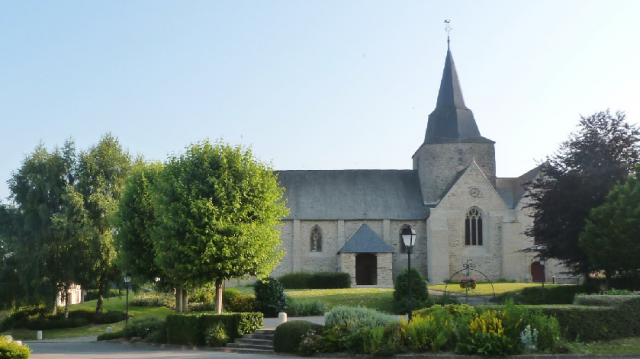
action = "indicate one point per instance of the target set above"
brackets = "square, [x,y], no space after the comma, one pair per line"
[451,121]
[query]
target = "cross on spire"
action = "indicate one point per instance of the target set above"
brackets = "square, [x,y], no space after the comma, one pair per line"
[448,29]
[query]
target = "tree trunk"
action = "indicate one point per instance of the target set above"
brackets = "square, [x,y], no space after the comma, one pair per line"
[54,308]
[66,301]
[185,301]
[179,299]
[219,296]
[607,280]
[101,289]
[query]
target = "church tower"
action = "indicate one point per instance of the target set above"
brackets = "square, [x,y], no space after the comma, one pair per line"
[452,141]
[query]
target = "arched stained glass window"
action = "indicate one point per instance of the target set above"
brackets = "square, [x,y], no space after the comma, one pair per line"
[316,239]
[473,228]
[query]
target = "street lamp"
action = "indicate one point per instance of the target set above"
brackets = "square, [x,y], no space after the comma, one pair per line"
[409,239]
[127,280]
[542,263]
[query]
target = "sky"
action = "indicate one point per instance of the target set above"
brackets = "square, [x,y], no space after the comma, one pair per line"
[309,84]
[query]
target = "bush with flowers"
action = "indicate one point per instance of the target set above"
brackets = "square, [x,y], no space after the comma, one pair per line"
[468,282]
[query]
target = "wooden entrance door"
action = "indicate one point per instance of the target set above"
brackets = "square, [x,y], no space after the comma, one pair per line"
[366,269]
[536,272]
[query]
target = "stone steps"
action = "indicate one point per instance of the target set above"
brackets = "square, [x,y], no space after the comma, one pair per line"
[260,342]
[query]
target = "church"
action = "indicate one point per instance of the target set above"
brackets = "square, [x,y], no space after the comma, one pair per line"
[351,220]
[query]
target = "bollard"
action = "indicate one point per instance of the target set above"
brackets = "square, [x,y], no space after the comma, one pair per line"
[282,318]
[39,335]
[109,329]
[325,317]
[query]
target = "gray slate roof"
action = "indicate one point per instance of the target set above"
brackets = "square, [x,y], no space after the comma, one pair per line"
[353,194]
[512,189]
[452,121]
[365,240]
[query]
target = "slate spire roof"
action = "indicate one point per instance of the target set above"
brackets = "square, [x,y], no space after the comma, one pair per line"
[451,121]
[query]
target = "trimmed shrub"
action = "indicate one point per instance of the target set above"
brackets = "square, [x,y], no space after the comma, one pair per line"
[142,328]
[456,310]
[110,336]
[205,294]
[316,280]
[419,292]
[150,300]
[270,297]
[191,328]
[242,303]
[37,318]
[552,295]
[216,336]
[591,323]
[350,318]
[228,295]
[289,335]
[305,309]
[92,294]
[12,350]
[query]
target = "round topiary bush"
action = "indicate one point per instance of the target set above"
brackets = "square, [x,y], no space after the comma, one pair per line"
[289,335]
[270,297]
[419,292]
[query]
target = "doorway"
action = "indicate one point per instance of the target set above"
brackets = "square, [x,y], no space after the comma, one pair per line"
[366,269]
[536,272]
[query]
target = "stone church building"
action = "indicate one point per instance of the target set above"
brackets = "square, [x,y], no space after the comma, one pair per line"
[350,220]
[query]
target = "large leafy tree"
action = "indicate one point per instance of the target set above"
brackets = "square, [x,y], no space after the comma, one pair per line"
[10,291]
[102,171]
[611,238]
[217,208]
[601,153]
[42,255]
[134,222]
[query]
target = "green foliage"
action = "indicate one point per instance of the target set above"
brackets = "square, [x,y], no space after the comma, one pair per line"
[289,335]
[350,318]
[39,318]
[456,310]
[218,208]
[305,309]
[434,331]
[151,301]
[228,295]
[552,295]
[419,292]
[603,322]
[135,219]
[270,297]
[12,350]
[312,343]
[143,327]
[577,178]
[612,226]
[191,328]
[242,303]
[110,336]
[317,280]
[216,336]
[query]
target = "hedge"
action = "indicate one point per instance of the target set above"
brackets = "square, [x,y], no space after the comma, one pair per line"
[37,318]
[92,294]
[288,335]
[564,294]
[316,280]
[191,328]
[606,318]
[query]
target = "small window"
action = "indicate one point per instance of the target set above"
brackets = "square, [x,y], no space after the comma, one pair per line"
[316,239]
[473,228]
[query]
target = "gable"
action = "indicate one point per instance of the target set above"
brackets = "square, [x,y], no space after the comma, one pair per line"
[365,240]
[472,188]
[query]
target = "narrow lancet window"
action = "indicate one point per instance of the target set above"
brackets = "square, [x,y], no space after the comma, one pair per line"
[473,228]
[316,239]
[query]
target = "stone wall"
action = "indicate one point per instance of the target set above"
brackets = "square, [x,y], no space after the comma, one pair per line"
[439,164]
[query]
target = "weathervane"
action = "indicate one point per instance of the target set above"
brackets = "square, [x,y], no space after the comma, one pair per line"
[448,29]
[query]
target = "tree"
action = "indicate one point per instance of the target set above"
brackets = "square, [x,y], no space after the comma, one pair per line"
[134,222]
[42,256]
[217,208]
[611,237]
[102,171]
[10,291]
[576,179]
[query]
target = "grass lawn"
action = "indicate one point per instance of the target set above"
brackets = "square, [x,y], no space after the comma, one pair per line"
[114,303]
[376,298]
[617,346]
[485,288]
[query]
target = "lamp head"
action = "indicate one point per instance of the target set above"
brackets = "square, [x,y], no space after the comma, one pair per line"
[127,278]
[408,237]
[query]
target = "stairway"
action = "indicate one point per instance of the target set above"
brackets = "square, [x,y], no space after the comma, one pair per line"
[260,342]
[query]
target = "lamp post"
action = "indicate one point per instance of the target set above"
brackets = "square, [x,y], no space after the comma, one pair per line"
[409,239]
[542,263]
[127,280]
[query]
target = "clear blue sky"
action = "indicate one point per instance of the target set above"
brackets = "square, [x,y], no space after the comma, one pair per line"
[309,84]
